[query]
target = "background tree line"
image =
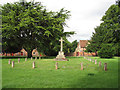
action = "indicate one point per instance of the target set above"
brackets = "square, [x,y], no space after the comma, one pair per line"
[105,41]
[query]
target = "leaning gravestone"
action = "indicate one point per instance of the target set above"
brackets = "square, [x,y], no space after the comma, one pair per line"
[9,62]
[61,56]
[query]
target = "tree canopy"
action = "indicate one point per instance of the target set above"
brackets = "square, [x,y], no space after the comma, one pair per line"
[30,25]
[108,32]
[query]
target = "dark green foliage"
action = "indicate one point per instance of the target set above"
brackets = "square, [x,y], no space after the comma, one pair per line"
[107,32]
[107,51]
[29,25]
[74,45]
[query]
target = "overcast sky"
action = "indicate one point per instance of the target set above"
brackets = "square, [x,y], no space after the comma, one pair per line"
[85,14]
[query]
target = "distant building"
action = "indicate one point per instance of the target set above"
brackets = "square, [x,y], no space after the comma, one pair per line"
[79,51]
[35,52]
[22,52]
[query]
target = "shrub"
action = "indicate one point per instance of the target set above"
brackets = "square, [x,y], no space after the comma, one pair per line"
[107,51]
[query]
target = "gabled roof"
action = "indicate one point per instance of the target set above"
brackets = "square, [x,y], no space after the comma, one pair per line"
[83,43]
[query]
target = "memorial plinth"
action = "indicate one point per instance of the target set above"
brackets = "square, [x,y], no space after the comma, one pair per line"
[61,56]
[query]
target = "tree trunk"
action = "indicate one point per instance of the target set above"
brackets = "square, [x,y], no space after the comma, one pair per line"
[29,52]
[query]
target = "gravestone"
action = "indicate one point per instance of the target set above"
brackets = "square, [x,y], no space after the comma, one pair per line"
[81,66]
[33,65]
[35,58]
[100,64]
[39,58]
[61,56]
[56,65]
[18,60]
[31,58]
[95,61]
[9,62]
[92,60]
[105,66]
[25,59]
[12,64]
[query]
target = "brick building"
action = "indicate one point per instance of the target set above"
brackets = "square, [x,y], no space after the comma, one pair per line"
[79,51]
[22,52]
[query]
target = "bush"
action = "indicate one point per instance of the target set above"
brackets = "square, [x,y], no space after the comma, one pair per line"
[107,51]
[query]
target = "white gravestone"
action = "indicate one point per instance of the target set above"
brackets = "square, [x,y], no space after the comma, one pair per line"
[18,60]
[35,58]
[33,65]
[12,64]
[9,61]
[25,59]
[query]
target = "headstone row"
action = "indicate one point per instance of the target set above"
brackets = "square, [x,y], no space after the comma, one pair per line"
[105,64]
[56,65]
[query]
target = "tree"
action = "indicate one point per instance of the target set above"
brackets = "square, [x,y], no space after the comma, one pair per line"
[73,46]
[108,31]
[107,51]
[29,25]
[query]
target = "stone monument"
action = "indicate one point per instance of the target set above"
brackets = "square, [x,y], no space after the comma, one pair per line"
[61,56]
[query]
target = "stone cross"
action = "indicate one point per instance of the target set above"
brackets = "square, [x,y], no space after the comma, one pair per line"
[9,61]
[12,64]
[105,66]
[61,40]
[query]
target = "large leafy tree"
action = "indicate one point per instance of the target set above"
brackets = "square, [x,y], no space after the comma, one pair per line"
[29,25]
[108,31]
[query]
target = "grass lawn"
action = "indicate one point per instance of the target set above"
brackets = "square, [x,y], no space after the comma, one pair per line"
[69,74]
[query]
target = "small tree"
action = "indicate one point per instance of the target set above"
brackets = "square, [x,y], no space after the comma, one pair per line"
[107,51]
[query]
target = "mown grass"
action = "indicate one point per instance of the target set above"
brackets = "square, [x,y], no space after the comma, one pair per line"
[69,74]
